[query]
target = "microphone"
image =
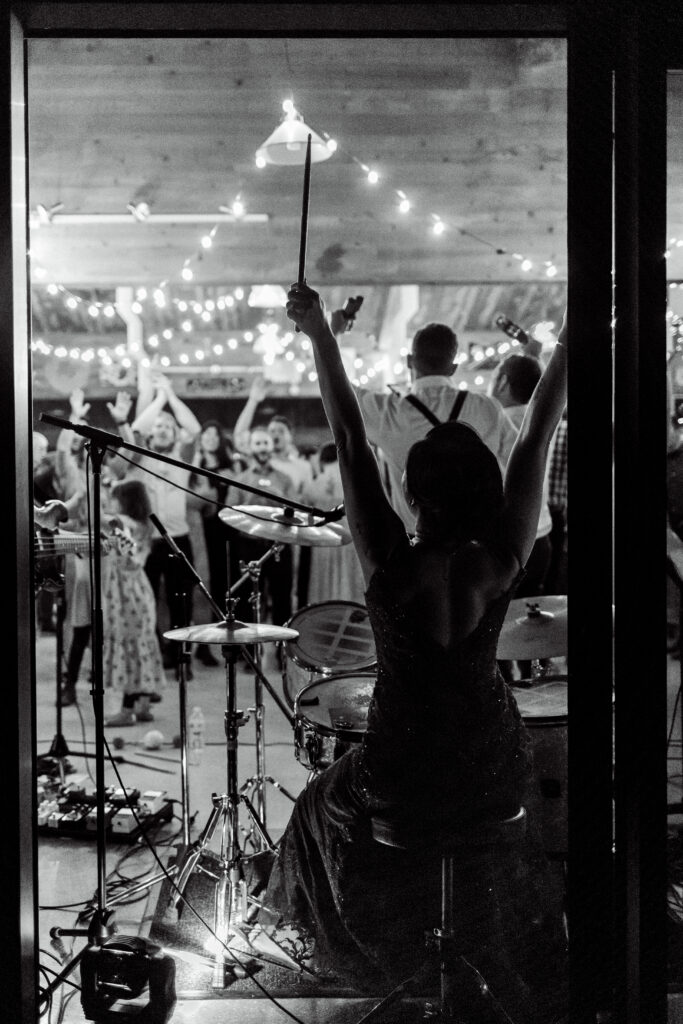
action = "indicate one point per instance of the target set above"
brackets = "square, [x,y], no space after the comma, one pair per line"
[102,437]
[165,534]
[335,514]
[512,330]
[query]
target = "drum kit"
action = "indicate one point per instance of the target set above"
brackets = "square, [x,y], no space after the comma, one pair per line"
[328,662]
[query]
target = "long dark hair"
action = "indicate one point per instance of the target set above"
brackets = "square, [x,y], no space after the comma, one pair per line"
[225,450]
[455,480]
[133,498]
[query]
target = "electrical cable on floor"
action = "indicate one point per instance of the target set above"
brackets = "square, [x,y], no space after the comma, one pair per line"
[64,1004]
[47,1009]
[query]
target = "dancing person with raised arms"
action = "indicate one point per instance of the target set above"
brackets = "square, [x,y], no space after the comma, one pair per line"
[445,745]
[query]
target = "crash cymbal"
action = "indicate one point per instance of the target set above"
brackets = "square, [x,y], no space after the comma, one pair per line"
[235,633]
[534,627]
[284,526]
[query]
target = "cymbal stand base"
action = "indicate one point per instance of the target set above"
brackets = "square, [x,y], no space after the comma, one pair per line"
[231,899]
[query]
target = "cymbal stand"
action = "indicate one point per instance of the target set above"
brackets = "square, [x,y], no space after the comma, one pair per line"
[257,783]
[230,895]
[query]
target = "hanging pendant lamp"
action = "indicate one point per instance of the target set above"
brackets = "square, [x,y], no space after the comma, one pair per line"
[287,144]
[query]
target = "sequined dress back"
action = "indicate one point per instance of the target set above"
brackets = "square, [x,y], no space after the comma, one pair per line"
[443,728]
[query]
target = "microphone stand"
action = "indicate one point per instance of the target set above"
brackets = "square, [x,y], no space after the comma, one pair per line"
[114,441]
[101,926]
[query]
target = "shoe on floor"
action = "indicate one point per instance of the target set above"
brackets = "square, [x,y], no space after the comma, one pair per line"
[124,717]
[141,709]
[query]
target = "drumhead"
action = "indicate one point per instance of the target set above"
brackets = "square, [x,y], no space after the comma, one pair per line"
[333,636]
[544,704]
[337,705]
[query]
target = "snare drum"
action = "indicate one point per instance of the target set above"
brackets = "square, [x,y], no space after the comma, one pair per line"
[334,636]
[330,716]
[544,711]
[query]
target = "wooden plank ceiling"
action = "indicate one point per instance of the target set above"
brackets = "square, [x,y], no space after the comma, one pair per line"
[471,130]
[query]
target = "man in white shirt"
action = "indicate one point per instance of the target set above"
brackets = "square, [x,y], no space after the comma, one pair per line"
[395,422]
[169,431]
[285,456]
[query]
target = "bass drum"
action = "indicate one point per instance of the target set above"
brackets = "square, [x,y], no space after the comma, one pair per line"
[331,716]
[543,709]
[334,636]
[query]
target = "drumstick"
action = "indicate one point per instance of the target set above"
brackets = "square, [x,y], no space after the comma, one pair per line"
[304,215]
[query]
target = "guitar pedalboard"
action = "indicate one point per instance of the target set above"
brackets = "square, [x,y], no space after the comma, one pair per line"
[71,811]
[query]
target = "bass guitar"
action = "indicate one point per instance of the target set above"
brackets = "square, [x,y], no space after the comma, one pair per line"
[49,549]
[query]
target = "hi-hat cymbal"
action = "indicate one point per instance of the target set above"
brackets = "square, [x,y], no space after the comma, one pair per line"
[534,627]
[284,526]
[235,633]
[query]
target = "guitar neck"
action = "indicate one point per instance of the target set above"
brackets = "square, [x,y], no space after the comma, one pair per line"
[76,544]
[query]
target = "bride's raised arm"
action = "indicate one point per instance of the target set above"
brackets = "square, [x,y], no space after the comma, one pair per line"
[374,525]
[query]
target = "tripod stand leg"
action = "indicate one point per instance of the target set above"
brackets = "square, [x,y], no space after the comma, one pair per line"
[195,851]
[254,783]
[258,824]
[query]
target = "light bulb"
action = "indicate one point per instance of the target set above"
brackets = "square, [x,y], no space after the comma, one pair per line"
[187,274]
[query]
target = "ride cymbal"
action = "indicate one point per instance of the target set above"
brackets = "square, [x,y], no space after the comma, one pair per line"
[284,526]
[234,633]
[534,627]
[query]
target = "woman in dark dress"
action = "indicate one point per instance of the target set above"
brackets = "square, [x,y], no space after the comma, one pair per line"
[445,745]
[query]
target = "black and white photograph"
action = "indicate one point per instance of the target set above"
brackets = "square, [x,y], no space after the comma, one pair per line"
[322,703]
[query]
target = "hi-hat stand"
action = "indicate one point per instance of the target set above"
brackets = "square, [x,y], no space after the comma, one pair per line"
[256,784]
[231,898]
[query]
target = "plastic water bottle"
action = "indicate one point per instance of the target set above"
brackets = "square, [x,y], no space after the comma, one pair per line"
[195,735]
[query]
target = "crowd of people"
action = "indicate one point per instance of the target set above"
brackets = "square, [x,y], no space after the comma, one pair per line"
[470,512]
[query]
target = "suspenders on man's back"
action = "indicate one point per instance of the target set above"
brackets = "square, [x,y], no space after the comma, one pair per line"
[455,411]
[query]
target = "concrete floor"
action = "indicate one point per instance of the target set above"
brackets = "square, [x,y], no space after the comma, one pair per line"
[68,868]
